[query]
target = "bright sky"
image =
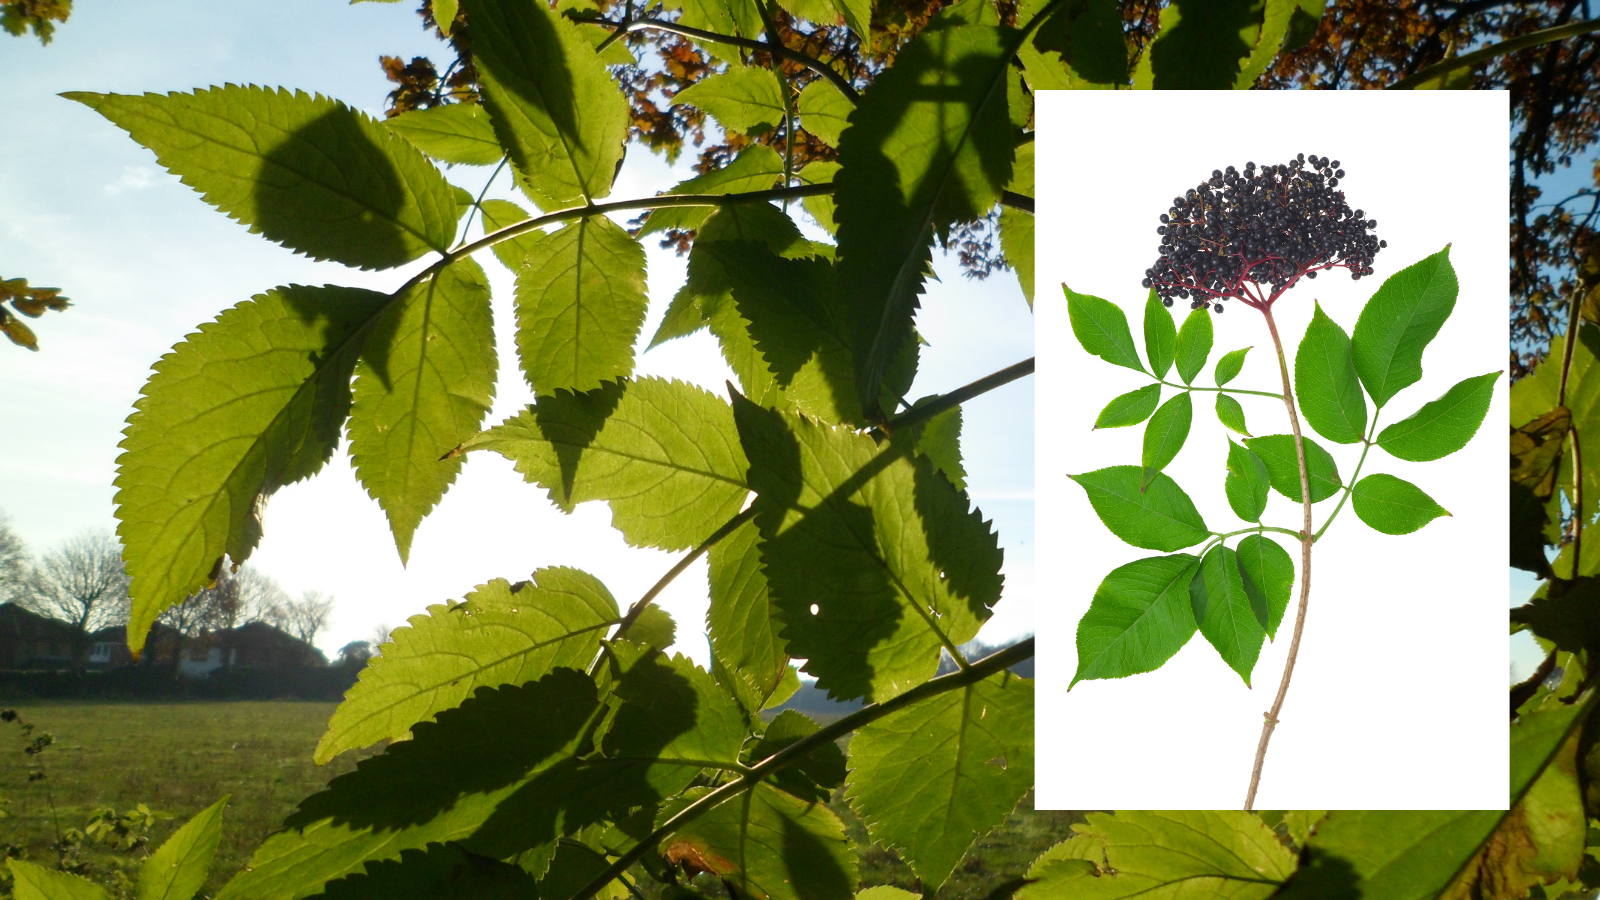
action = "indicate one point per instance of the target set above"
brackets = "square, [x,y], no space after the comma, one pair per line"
[146,261]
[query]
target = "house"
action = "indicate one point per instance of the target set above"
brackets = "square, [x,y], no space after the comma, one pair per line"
[31,641]
[255,646]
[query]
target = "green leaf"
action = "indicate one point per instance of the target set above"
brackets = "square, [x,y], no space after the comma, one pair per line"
[1246,484]
[664,454]
[1268,577]
[1303,22]
[1223,611]
[1231,414]
[1160,335]
[875,561]
[939,439]
[707,287]
[756,168]
[1393,506]
[1159,517]
[1229,365]
[1399,321]
[1538,420]
[444,13]
[1165,434]
[424,384]
[766,844]
[1194,344]
[437,872]
[580,304]
[1129,409]
[1080,46]
[744,637]
[179,868]
[821,207]
[1263,41]
[824,111]
[734,17]
[931,778]
[303,171]
[1102,329]
[675,718]
[813,776]
[1326,384]
[1212,45]
[1016,225]
[886,892]
[1215,853]
[554,106]
[501,634]
[742,98]
[31,882]
[653,628]
[1283,466]
[498,214]
[930,144]
[459,133]
[197,463]
[1139,618]
[1442,426]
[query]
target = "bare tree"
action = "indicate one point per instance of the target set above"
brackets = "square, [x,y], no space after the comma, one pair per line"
[84,584]
[305,617]
[237,598]
[16,564]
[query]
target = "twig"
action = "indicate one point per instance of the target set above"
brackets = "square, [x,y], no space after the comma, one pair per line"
[1468,60]
[959,396]
[778,50]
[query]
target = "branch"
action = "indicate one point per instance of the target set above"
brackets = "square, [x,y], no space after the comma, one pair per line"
[1544,36]
[1016,201]
[979,670]
[778,50]
[637,609]
[959,396]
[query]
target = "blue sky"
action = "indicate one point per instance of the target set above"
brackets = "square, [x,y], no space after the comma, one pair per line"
[146,261]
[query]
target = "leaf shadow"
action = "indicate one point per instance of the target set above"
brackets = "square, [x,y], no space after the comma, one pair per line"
[570,421]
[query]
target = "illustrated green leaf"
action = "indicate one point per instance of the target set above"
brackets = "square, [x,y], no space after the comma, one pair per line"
[303,171]
[1283,466]
[1326,384]
[198,462]
[767,845]
[1016,225]
[1078,47]
[558,114]
[1139,618]
[501,634]
[1193,345]
[1399,321]
[1102,329]
[1229,365]
[437,872]
[1268,574]
[664,454]
[580,304]
[1442,426]
[744,637]
[424,384]
[1165,434]
[1129,409]
[459,133]
[1159,517]
[1223,611]
[742,98]
[1231,414]
[1393,506]
[1212,853]
[1246,484]
[707,287]
[756,168]
[32,882]
[930,144]
[1160,335]
[930,779]
[179,868]
[875,561]
[824,111]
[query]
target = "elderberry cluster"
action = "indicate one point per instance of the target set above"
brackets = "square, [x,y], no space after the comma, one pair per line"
[1268,225]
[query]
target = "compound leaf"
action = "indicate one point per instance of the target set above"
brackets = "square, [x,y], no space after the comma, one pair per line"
[1129,409]
[1102,328]
[1080,46]
[1283,466]
[1268,574]
[554,106]
[436,872]
[179,868]
[1229,365]
[501,634]
[303,171]
[31,882]
[1211,853]
[824,111]
[458,133]
[756,168]
[580,304]
[1246,484]
[1224,612]
[1159,517]
[767,844]
[1231,414]
[707,288]
[742,98]
[1326,384]
[1212,45]
[197,463]
[1139,618]
[930,779]
[744,637]
[1392,505]
[1399,321]
[874,559]
[1194,344]
[1165,434]
[665,454]
[1442,426]
[1160,335]
[424,384]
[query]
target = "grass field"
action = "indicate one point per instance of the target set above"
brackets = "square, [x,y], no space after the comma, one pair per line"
[178,758]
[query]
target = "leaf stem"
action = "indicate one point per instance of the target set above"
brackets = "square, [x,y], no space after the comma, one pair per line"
[1349,489]
[983,668]
[477,205]
[1579,290]
[1306,539]
[1256,529]
[958,396]
[778,50]
[1225,390]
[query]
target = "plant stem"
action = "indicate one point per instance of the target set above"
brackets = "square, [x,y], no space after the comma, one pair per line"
[1579,291]
[959,396]
[1257,529]
[1306,538]
[1349,489]
[1225,390]
[1523,42]
[978,671]
[777,50]
[477,205]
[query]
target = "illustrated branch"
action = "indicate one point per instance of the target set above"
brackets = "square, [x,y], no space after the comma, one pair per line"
[983,668]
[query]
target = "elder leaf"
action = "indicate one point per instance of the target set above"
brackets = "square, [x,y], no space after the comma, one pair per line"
[744,637]
[1325,382]
[1283,466]
[1246,483]
[1442,426]
[707,287]
[766,844]
[1392,505]
[1140,617]
[1268,574]
[1102,328]
[1129,409]
[824,111]
[1160,335]
[756,168]
[1193,344]
[1165,434]
[1231,414]
[1397,323]
[1229,364]
[459,133]
[1224,612]
[1156,515]
[741,99]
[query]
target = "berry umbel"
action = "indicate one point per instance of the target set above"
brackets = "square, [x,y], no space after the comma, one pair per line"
[1253,234]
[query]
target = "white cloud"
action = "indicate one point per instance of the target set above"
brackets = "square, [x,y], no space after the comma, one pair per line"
[133,178]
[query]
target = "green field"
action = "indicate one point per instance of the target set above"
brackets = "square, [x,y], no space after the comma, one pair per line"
[178,758]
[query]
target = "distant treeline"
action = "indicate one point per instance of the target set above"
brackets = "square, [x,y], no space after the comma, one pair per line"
[812,701]
[153,683]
